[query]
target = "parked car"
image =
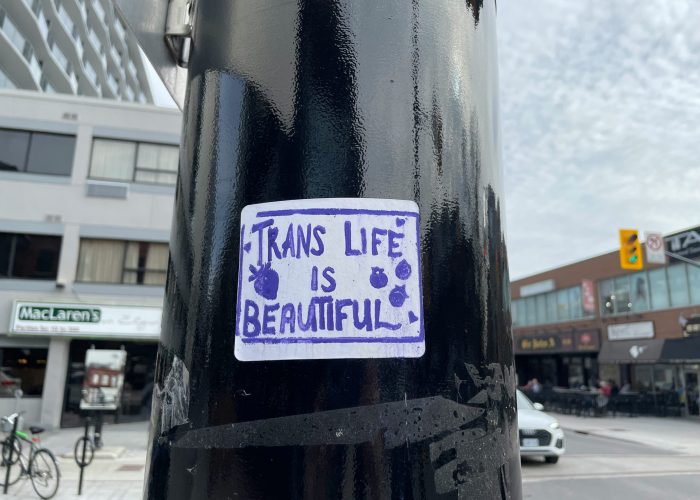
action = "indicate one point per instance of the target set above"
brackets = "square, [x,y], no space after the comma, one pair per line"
[8,383]
[539,433]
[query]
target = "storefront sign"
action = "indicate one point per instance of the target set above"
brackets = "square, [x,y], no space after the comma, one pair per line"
[686,243]
[565,342]
[587,341]
[691,326]
[629,331]
[537,288]
[329,278]
[654,248]
[588,296]
[85,320]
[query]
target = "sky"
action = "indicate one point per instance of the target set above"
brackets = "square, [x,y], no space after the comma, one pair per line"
[600,120]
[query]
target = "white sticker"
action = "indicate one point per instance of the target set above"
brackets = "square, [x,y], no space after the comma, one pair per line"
[329,278]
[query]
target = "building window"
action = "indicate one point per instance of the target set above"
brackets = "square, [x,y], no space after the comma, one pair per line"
[677,285]
[694,284]
[29,256]
[134,161]
[551,307]
[127,262]
[36,152]
[22,369]
[5,81]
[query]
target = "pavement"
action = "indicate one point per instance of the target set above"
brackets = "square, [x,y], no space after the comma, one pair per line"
[637,458]
[670,433]
[116,473]
[623,458]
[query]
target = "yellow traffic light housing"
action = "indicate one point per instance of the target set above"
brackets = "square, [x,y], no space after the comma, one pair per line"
[630,250]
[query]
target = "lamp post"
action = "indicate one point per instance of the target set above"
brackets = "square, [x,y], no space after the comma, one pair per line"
[358,100]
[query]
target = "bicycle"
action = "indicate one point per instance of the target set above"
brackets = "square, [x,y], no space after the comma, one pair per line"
[38,464]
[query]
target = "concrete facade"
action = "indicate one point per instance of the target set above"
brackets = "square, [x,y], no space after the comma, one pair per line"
[70,47]
[61,206]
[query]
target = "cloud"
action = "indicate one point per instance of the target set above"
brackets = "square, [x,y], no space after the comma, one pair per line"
[600,112]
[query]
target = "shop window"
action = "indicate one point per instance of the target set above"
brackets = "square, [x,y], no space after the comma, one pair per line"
[658,289]
[130,161]
[128,262]
[36,152]
[22,369]
[621,295]
[521,312]
[551,299]
[541,309]
[29,256]
[694,283]
[531,311]
[575,306]
[138,386]
[639,292]
[562,305]
[678,285]
[605,291]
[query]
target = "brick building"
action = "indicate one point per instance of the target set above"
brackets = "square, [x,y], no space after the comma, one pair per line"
[591,320]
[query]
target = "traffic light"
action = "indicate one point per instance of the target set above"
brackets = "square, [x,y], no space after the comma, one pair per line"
[630,250]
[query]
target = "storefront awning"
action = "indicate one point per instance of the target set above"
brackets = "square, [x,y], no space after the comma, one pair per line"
[631,351]
[685,350]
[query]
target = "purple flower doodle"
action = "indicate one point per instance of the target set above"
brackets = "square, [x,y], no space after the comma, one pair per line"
[403,270]
[378,279]
[398,295]
[266,281]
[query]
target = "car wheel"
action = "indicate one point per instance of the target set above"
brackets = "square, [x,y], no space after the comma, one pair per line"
[551,460]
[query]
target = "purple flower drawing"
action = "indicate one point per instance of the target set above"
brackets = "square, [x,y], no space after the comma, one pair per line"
[266,281]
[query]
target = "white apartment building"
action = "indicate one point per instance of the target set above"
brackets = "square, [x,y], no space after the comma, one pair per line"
[86,199]
[75,47]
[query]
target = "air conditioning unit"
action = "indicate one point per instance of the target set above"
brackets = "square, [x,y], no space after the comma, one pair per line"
[107,189]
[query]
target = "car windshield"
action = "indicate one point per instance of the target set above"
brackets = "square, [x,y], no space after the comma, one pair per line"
[523,402]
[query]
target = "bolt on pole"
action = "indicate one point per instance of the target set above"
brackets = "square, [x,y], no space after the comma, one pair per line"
[337,311]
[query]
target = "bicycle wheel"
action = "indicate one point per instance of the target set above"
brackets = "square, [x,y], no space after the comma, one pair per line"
[44,473]
[6,451]
[89,451]
[15,467]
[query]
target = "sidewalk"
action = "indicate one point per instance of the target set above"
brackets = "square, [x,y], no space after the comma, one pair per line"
[681,435]
[116,473]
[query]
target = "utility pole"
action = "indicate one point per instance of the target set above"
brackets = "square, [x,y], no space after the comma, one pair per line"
[366,115]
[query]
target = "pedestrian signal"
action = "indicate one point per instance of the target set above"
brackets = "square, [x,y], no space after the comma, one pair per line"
[630,250]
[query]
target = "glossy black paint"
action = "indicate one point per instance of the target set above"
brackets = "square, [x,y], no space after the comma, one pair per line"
[340,98]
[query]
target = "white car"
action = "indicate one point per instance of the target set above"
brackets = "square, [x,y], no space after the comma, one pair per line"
[540,434]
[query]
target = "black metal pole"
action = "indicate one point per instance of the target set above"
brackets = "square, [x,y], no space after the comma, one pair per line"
[11,443]
[339,99]
[81,464]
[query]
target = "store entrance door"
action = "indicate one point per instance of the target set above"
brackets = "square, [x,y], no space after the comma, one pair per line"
[691,375]
[138,381]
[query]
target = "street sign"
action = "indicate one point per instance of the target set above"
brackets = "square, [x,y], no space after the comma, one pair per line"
[685,243]
[147,21]
[630,250]
[655,248]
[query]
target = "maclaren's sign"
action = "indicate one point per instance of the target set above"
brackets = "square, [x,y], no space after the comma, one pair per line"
[545,343]
[85,320]
[59,314]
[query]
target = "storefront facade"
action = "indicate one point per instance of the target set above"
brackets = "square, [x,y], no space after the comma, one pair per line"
[54,376]
[87,189]
[647,324]
[564,359]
